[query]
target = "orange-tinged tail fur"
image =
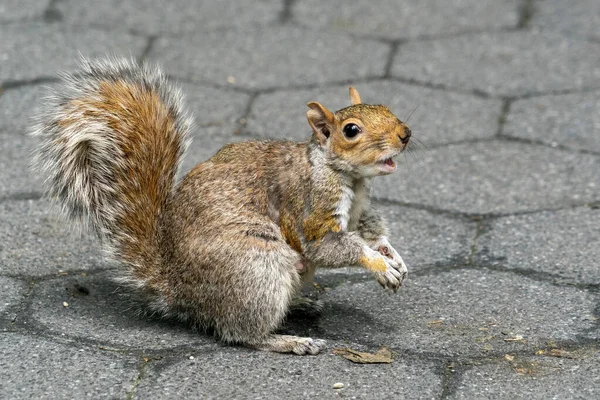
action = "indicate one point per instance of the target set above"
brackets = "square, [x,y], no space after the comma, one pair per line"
[112,138]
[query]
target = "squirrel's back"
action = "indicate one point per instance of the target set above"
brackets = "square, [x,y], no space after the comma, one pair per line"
[112,138]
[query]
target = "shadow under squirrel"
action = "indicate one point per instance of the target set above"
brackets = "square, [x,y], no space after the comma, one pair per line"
[230,246]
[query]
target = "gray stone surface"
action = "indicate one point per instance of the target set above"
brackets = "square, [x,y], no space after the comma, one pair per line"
[282,114]
[101,310]
[571,120]
[239,373]
[259,58]
[248,68]
[494,177]
[581,17]
[11,10]
[17,107]
[157,17]
[16,177]
[16,110]
[424,239]
[561,243]
[502,63]
[34,367]
[12,294]
[463,313]
[534,378]
[395,19]
[34,50]
[213,107]
[34,241]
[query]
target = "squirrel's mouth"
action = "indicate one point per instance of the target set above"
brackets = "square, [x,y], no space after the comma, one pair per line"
[386,165]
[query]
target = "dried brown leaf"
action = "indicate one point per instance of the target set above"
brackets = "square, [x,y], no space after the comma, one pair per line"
[382,356]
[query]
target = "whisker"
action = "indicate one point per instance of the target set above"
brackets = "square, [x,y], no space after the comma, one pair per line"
[411,113]
[407,162]
[412,153]
[421,143]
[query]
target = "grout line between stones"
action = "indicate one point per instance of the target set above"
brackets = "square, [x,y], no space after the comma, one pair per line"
[52,13]
[287,12]
[557,146]
[449,379]
[24,303]
[22,196]
[146,51]
[16,84]
[394,46]
[376,78]
[478,232]
[485,216]
[243,120]
[175,354]
[141,374]
[504,111]
[65,274]
[526,11]
[417,38]
[539,276]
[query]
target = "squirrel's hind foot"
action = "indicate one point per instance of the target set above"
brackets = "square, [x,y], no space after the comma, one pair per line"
[306,307]
[291,344]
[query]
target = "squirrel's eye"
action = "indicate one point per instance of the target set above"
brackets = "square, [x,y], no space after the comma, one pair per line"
[351,130]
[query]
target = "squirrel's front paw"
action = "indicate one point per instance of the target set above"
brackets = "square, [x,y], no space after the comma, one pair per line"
[393,276]
[383,247]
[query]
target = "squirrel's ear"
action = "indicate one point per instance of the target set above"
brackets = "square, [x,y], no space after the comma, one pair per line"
[354,96]
[321,121]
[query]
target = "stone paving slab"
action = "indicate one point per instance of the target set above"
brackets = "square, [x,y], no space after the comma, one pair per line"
[17,106]
[35,50]
[563,244]
[16,111]
[36,242]
[581,17]
[12,294]
[494,177]
[502,63]
[406,19]
[11,10]
[34,367]
[534,378]
[214,107]
[177,17]
[429,314]
[234,373]
[99,309]
[16,177]
[282,114]
[571,120]
[261,58]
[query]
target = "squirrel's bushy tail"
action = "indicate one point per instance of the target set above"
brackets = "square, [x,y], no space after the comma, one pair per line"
[112,138]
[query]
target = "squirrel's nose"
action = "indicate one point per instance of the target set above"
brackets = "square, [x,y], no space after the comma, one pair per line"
[407,134]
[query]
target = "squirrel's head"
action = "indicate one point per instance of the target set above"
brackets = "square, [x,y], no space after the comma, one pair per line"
[362,139]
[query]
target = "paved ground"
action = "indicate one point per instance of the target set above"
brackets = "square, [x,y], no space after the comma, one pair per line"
[497,211]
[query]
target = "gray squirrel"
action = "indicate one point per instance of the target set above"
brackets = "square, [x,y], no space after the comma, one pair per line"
[229,247]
